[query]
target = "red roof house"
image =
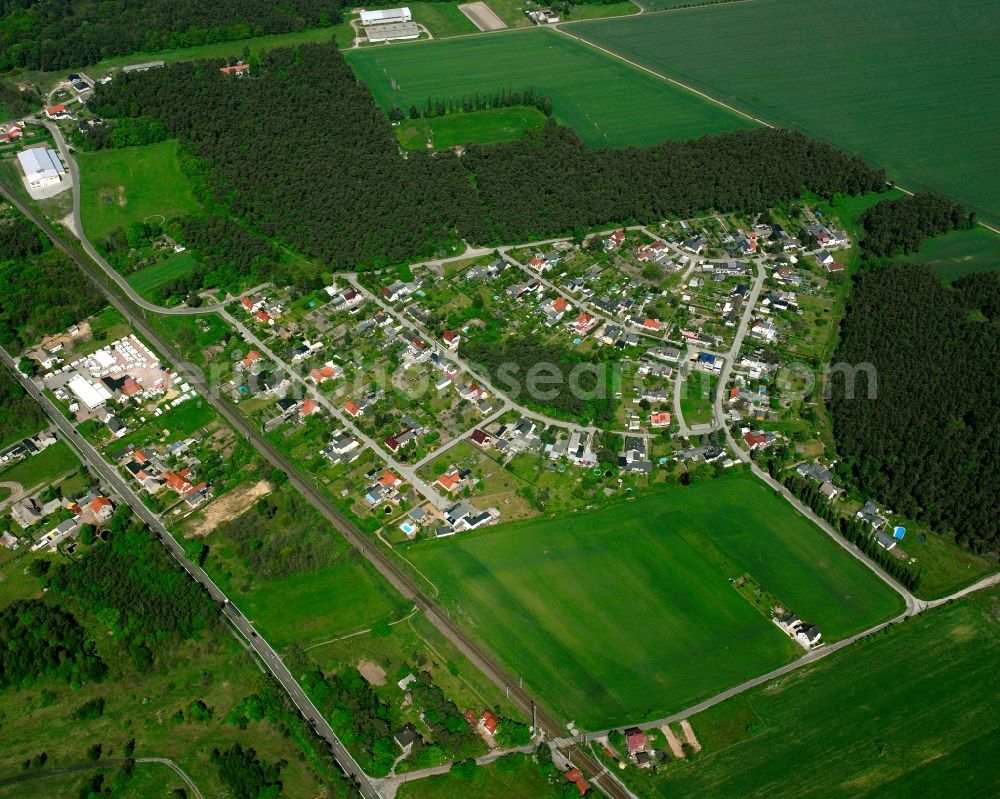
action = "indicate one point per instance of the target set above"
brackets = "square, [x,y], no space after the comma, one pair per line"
[635,740]
[309,406]
[353,409]
[489,722]
[480,437]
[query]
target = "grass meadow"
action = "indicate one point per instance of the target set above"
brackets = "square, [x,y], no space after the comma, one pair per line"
[605,100]
[148,279]
[132,184]
[52,462]
[627,612]
[959,253]
[475,127]
[907,714]
[854,73]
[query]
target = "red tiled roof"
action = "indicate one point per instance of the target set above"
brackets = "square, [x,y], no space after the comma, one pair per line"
[352,409]
[560,304]
[449,336]
[479,437]
[448,481]
[309,406]
[489,722]
[388,479]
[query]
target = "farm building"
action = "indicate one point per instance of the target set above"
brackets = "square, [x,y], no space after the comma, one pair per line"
[393,31]
[385,16]
[41,166]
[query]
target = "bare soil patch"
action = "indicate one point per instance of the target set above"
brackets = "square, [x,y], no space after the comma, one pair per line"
[228,507]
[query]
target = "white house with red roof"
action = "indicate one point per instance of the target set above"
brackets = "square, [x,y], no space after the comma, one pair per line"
[451,339]
[584,323]
[615,239]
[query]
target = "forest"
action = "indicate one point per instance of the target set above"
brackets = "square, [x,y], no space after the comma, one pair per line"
[513,362]
[21,414]
[43,293]
[58,34]
[894,227]
[926,445]
[37,639]
[137,590]
[349,199]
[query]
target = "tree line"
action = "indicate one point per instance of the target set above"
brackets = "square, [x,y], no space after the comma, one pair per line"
[351,200]
[894,227]
[48,35]
[927,443]
[502,98]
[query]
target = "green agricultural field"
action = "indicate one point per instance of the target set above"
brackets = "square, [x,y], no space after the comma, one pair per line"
[312,607]
[648,582]
[907,714]
[476,127]
[854,73]
[132,184]
[606,101]
[959,253]
[148,279]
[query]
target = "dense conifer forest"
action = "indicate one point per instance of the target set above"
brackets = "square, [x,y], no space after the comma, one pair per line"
[929,445]
[894,227]
[57,34]
[301,153]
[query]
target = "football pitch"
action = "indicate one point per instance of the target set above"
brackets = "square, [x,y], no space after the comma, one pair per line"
[855,73]
[628,612]
[132,184]
[605,100]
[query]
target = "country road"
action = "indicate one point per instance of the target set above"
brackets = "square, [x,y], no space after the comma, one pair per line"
[111,478]
[382,562]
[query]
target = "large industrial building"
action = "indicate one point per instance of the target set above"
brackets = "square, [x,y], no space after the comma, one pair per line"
[384,16]
[41,166]
[389,24]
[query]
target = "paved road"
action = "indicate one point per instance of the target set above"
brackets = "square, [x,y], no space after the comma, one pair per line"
[461,363]
[805,660]
[382,562]
[112,763]
[111,478]
[408,472]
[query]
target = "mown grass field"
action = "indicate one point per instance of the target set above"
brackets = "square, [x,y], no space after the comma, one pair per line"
[627,612]
[442,19]
[856,73]
[908,714]
[605,100]
[132,184]
[959,253]
[514,777]
[47,465]
[148,279]
[478,127]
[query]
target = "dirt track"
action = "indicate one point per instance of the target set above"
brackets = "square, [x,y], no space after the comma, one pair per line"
[482,16]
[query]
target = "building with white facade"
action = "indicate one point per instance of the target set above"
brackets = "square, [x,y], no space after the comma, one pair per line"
[41,166]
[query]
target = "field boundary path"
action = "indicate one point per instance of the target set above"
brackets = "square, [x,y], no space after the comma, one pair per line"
[400,580]
[114,763]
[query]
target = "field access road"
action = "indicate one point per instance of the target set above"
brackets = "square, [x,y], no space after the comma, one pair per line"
[805,660]
[381,561]
[111,478]
[408,472]
[460,362]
